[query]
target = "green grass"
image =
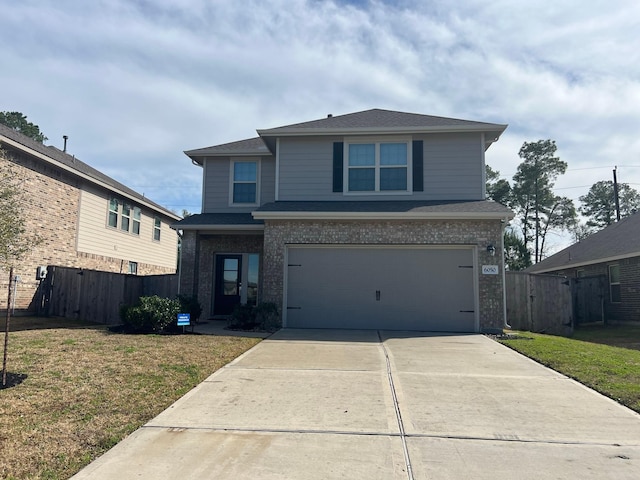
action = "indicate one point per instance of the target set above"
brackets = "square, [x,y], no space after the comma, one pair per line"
[606,359]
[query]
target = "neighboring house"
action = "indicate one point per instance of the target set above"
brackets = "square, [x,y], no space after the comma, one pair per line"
[371,220]
[614,254]
[84,218]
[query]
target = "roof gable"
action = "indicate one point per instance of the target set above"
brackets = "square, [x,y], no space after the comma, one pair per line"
[619,240]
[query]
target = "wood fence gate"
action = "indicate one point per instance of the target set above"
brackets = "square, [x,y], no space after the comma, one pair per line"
[588,298]
[539,303]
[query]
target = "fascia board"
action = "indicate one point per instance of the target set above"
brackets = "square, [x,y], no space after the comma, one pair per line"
[84,176]
[590,262]
[200,157]
[381,216]
[244,228]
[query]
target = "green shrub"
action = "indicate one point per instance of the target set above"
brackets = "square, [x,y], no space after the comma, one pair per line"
[264,316]
[150,314]
[242,318]
[267,316]
[190,305]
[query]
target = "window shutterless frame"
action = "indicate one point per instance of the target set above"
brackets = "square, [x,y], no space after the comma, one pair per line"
[375,166]
[614,284]
[112,217]
[157,228]
[244,183]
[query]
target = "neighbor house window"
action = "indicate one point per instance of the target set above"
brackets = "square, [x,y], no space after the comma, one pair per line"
[113,213]
[133,268]
[614,283]
[244,183]
[135,226]
[157,227]
[126,217]
[377,166]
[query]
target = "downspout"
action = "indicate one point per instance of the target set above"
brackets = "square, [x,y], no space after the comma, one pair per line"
[503,223]
[180,259]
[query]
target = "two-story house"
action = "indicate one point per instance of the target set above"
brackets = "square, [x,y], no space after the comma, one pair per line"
[370,220]
[84,219]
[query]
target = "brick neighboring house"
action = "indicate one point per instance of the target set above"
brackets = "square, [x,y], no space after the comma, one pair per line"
[84,218]
[371,220]
[613,253]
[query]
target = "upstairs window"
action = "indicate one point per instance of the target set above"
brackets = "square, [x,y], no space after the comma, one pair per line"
[114,206]
[244,183]
[135,226]
[157,227]
[377,167]
[126,218]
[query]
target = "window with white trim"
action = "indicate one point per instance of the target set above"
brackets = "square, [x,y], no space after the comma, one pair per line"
[157,228]
[135,226]
[114,206]
[126,217]
[614,283]
[377,166]
[244,182]
[133,268]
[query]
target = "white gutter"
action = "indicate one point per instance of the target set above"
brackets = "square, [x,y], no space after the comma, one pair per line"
[84,176]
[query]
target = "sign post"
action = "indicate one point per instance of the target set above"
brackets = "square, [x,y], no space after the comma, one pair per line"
[184,320]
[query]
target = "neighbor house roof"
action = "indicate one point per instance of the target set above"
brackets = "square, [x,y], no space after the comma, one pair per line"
[617,241]
[70,163]
[383,210]
[369,122]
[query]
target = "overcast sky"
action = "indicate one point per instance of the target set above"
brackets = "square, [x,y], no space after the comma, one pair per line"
[135,83]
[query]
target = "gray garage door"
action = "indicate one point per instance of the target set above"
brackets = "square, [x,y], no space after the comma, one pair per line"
[428,289]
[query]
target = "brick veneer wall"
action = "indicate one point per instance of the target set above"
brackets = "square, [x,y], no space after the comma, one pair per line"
[197,264]
[628,310]
[428,232]
[50,209]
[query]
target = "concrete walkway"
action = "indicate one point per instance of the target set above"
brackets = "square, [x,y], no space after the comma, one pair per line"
[324,404]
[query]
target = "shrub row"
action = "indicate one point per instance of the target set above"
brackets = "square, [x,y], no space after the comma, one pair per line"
[157,314]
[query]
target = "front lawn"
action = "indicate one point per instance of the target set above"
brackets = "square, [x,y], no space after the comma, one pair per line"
[606,359]
[83,389]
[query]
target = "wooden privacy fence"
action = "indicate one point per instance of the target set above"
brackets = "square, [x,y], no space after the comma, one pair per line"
[97,296]
[539,303]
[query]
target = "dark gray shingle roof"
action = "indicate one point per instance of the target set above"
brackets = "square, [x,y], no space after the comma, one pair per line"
[74,164]
[251,146]
[378,118]
[217,219]
[389,206]
[622,239]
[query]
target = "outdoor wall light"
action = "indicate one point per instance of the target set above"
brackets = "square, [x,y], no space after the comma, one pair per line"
[491,250]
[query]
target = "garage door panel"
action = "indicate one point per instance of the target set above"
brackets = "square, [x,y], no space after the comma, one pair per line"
[381,288]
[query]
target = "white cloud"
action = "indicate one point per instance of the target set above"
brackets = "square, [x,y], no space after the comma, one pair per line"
[134,83]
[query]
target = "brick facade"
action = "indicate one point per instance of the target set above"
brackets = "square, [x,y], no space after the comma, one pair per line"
[197,264]
[427,232]
[50,210]
[198,253]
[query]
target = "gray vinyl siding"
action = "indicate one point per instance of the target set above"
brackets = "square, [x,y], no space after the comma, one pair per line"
[216,184]
[453,166]
[453,169]
[306,169]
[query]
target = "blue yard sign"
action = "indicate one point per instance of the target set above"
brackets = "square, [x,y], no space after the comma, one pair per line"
[184,319]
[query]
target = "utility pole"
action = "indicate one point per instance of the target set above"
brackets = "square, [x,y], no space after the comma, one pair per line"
[615,193]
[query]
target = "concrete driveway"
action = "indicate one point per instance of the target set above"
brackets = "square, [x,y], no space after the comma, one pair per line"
[323,404]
